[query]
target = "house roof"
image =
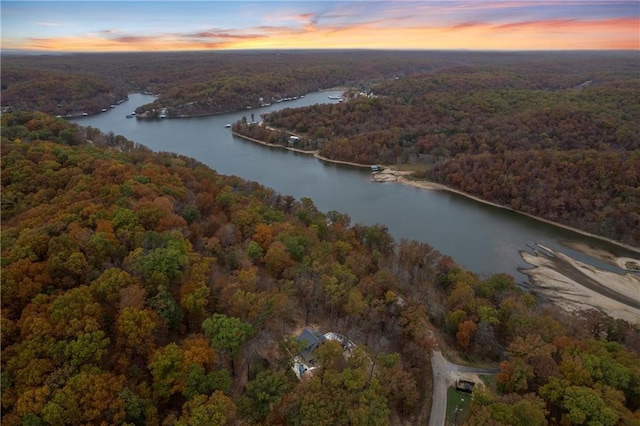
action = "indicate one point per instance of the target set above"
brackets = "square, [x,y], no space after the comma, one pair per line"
[465,385]
[311,340]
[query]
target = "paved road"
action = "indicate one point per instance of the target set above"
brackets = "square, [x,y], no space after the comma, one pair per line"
[443,377]
[439,403]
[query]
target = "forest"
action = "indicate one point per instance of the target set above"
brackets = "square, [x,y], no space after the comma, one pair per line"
[198,83]
[551,134]
[194,83]
[144,288]
[556,139]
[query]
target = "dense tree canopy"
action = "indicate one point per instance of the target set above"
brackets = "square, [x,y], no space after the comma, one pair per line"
[131,279]
[193,83]
[556,139]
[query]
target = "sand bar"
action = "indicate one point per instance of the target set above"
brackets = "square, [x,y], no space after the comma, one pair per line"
[575,285]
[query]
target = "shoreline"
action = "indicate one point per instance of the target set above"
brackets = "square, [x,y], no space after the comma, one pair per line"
[439,187]
[400,178]
[560,279]
[576,286]
[300,151]
[209,114]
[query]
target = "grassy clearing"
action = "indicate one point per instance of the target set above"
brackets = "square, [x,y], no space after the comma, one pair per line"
[458,405]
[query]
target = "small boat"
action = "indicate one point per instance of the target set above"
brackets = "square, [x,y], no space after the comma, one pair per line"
[227,125]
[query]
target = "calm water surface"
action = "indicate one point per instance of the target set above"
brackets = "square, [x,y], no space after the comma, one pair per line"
[482,238]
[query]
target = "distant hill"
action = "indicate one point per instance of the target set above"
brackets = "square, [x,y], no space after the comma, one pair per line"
[193,83]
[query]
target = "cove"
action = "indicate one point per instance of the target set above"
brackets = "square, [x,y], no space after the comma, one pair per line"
[483,238]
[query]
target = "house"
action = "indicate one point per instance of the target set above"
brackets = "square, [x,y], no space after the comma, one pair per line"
[304,363]
[310,340]
[465,385]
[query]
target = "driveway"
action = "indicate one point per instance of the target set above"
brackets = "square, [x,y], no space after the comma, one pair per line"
[445,374]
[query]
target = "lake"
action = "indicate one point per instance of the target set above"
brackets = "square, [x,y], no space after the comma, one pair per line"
[482,238]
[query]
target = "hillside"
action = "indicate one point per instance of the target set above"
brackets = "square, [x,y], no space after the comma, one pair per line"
[144,288]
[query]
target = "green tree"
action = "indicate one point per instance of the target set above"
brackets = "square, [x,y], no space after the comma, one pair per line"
[264,392]
[199,382]
[227,334]
[216,409]
[167,308]
[136,407]
[164,265]
[76,312]
[87,349]
[106,288]
[191,214]
[254,251]
[584,406]
[165,369]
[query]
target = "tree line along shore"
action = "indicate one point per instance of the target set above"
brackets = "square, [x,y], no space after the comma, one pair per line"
[125,269]
[548,134]
[405,177]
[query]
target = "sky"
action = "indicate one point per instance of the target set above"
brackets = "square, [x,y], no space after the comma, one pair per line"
[100,26]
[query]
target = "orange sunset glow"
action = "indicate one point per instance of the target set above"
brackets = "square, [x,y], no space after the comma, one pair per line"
[479,25]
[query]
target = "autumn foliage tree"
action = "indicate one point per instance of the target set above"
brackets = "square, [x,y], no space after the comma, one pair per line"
[529,135]
[121,305]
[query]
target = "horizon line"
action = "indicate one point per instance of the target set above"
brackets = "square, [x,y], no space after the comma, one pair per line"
[311,49]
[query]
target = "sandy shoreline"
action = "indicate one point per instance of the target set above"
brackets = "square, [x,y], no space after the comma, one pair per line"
[316,154]
[567,282]
[575,285]
[389,175]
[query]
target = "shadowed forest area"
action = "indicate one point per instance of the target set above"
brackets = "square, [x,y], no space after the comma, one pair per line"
[193,83]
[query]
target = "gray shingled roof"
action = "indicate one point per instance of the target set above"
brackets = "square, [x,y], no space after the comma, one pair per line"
[311,340]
